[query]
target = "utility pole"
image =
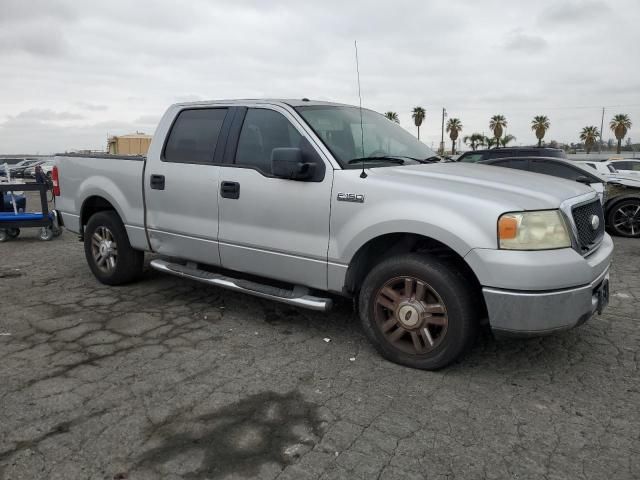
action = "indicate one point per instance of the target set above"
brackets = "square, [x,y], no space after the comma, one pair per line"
[444,114]
[601,127]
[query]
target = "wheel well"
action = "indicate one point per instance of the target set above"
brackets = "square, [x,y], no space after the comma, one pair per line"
[385,246]
[91,206]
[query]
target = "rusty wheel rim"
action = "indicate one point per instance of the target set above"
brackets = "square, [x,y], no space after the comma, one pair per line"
[411,315]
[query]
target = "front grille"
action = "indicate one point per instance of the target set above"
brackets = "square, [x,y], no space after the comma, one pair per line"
[588,237]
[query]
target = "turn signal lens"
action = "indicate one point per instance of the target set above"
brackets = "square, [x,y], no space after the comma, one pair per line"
[507,227]
[536,230]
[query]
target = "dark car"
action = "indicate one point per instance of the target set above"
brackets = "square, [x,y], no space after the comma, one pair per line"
[476,156]
[621,199]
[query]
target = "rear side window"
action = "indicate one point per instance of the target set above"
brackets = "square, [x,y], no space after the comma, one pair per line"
[194,136]
[555,169]
[262,131]
[515,163]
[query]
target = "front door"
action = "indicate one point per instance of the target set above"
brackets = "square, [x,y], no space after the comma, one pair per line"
[181,187]
[273,227]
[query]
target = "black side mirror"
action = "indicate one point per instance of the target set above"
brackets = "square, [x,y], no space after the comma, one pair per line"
[289,163]
[584,180]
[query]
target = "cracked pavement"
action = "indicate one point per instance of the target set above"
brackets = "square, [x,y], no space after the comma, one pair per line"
[168,378]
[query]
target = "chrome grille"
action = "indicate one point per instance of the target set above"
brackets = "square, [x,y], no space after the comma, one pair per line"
[588,237]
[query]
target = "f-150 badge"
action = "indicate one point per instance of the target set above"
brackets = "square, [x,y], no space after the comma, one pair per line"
[351,197]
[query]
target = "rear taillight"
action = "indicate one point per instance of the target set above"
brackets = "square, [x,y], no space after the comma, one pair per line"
[56,184]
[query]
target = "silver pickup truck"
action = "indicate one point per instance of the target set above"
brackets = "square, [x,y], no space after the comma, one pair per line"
[297,201]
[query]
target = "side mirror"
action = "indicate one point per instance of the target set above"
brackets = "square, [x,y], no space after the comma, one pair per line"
[289,163]
[584,180]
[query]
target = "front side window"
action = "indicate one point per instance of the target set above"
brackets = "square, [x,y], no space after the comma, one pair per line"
[350,139]
[194,136]
[262,131]
[472,158]
[623,165]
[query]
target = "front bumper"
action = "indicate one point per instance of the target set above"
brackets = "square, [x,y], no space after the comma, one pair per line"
[539,313]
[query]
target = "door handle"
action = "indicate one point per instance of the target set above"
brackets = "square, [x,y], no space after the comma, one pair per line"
[157,182]
[230,190]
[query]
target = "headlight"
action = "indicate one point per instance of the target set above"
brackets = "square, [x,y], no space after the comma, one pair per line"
[538,230]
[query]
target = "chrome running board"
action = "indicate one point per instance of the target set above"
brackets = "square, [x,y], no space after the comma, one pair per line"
[299,296]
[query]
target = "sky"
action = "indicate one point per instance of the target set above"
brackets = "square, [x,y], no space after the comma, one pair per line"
[73,72]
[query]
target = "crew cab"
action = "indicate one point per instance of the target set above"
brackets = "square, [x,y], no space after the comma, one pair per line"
[298,201]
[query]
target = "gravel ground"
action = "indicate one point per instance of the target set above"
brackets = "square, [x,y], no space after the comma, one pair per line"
[172,379]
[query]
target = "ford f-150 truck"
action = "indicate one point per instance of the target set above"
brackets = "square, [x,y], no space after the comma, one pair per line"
[298,201]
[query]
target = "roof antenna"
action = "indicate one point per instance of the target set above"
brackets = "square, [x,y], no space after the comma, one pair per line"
[363,174]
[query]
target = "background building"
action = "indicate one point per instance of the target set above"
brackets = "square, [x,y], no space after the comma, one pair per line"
[133,144]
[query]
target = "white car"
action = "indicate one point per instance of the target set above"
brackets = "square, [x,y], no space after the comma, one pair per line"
[627,166]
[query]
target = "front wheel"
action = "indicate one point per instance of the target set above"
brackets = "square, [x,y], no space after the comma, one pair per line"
[109,254]
[623,218]
[418,311]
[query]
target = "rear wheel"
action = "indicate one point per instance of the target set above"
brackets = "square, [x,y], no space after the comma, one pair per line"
[109,254]
[13,232]
[418,311]
[624,218]
[45,234]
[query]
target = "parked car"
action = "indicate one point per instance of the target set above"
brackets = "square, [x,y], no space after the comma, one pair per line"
[297,201]
[25,171]
[510,152]
[47,167]
[621,197]
[17,168]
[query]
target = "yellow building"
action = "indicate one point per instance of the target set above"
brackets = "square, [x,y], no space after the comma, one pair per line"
[133,144]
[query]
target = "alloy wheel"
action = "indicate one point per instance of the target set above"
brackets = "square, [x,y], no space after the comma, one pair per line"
[627,219]
[411,315]
[104,249]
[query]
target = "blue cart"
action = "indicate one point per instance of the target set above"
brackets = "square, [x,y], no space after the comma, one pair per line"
[12,220]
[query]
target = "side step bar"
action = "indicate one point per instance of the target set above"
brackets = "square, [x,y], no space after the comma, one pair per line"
[299,296]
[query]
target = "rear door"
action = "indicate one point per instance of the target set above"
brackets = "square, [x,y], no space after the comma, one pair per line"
[273,227]
[181,186]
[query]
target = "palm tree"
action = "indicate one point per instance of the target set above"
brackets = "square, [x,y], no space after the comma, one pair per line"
[498,123]
[540,124]
[418,117]
[504,141]
[474,140]
[619,124]
[454,127]
[489,142]
[589,135]
[393,116]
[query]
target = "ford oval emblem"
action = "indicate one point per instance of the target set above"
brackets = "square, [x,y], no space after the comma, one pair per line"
[595,222]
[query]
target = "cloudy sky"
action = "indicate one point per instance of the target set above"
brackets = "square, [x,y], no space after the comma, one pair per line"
[74,72]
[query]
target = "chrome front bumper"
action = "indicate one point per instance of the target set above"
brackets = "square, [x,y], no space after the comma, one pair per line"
[541,312]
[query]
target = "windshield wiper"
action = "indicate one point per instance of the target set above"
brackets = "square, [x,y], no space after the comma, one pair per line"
[390,159]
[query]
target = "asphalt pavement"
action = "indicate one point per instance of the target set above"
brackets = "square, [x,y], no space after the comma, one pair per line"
[167,378]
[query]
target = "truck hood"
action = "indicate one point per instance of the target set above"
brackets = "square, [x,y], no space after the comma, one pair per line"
[510,188]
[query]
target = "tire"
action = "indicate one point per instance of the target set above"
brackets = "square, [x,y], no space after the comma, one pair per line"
[46,234]
[13,232]
[4,236]
[441,301]
[108,252]
[623,218]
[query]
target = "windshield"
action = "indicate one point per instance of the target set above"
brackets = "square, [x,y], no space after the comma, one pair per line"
[380,141]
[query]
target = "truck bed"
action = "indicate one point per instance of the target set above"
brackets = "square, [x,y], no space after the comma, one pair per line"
[116,178]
